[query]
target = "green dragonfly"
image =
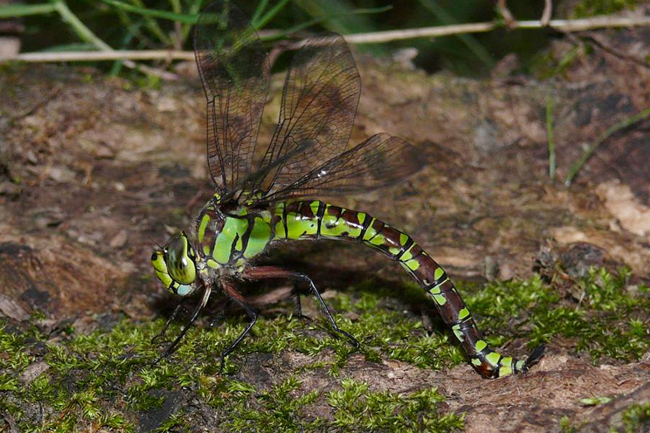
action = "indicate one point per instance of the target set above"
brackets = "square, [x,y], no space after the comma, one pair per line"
[266,197]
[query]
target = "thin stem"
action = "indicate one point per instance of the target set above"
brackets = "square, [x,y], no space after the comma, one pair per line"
[266,36]
[153,26]
[79,28]
[178,26]
[17,10]
[154,13]
[270,14]
[258,11]
[562,25]
[575,168]
[469,41]
[97,56]
[87,35]
[194,10]
[549,134]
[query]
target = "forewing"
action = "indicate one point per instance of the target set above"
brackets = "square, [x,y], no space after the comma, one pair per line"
[319,103]
[380,161]
[234,69]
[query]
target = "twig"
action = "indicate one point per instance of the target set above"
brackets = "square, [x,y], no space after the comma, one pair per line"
[508,19]
[546,14]
[613,51]
[562,25]
[575,168]
[358,38]
[97,56]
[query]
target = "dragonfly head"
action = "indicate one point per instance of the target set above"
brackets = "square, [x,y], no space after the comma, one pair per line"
[175,265]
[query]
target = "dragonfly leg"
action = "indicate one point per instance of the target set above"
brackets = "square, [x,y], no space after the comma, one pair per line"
[264,272]
[233,294]
[296,296]
[161,334]
[170,349]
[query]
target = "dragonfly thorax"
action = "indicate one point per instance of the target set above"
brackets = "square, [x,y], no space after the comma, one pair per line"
[228,234]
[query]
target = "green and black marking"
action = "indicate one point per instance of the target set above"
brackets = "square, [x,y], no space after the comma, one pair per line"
[258,205]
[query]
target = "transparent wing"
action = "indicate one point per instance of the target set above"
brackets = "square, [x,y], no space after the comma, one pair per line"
[319,103]
[379,161]
[234,69]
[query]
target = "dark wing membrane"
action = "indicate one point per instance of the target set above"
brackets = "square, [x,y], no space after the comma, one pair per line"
[234,69]
[319,103]
[380,161]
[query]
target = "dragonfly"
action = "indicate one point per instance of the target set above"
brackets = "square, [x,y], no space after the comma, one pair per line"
[267,196]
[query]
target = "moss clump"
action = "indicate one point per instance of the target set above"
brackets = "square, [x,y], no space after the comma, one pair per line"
[106,380]
[359,409]
[590,8]
[610,320]
[636,416]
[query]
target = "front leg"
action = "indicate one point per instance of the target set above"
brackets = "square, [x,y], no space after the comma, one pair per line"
[266,272]
[204,300]
[162,333]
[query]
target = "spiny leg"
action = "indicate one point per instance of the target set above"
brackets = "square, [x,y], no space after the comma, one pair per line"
[296,297]
[233,294]
[265,272]
[161,334]
[204,300]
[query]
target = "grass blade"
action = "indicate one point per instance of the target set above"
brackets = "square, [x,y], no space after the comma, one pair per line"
[575,168]
[549,135]
[12,11]
[183,18]
[259,24]
[362,11]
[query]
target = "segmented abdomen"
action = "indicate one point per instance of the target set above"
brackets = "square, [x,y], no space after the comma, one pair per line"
[317,220]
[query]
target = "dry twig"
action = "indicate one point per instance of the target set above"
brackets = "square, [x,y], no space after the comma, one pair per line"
[566,26]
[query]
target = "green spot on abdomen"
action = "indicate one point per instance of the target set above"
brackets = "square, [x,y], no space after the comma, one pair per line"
[463,314]
[440,299]
[493,358]
[299,225]
[331,227]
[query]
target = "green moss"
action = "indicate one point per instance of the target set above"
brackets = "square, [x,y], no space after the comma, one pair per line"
[610,321]
[107,380]
[548,65]
[566,426]
[636,416]
[590,8]
[360,409]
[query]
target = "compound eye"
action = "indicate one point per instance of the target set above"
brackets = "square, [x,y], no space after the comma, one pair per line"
[181,266]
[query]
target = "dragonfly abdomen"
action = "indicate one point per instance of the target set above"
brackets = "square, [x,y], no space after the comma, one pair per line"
[316,220]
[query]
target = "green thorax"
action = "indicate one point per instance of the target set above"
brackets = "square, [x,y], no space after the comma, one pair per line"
[228,234]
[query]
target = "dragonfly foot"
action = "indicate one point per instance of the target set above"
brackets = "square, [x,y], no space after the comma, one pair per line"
[349,336]
[304,317]
[534,356]
[164,355]
[159,337]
